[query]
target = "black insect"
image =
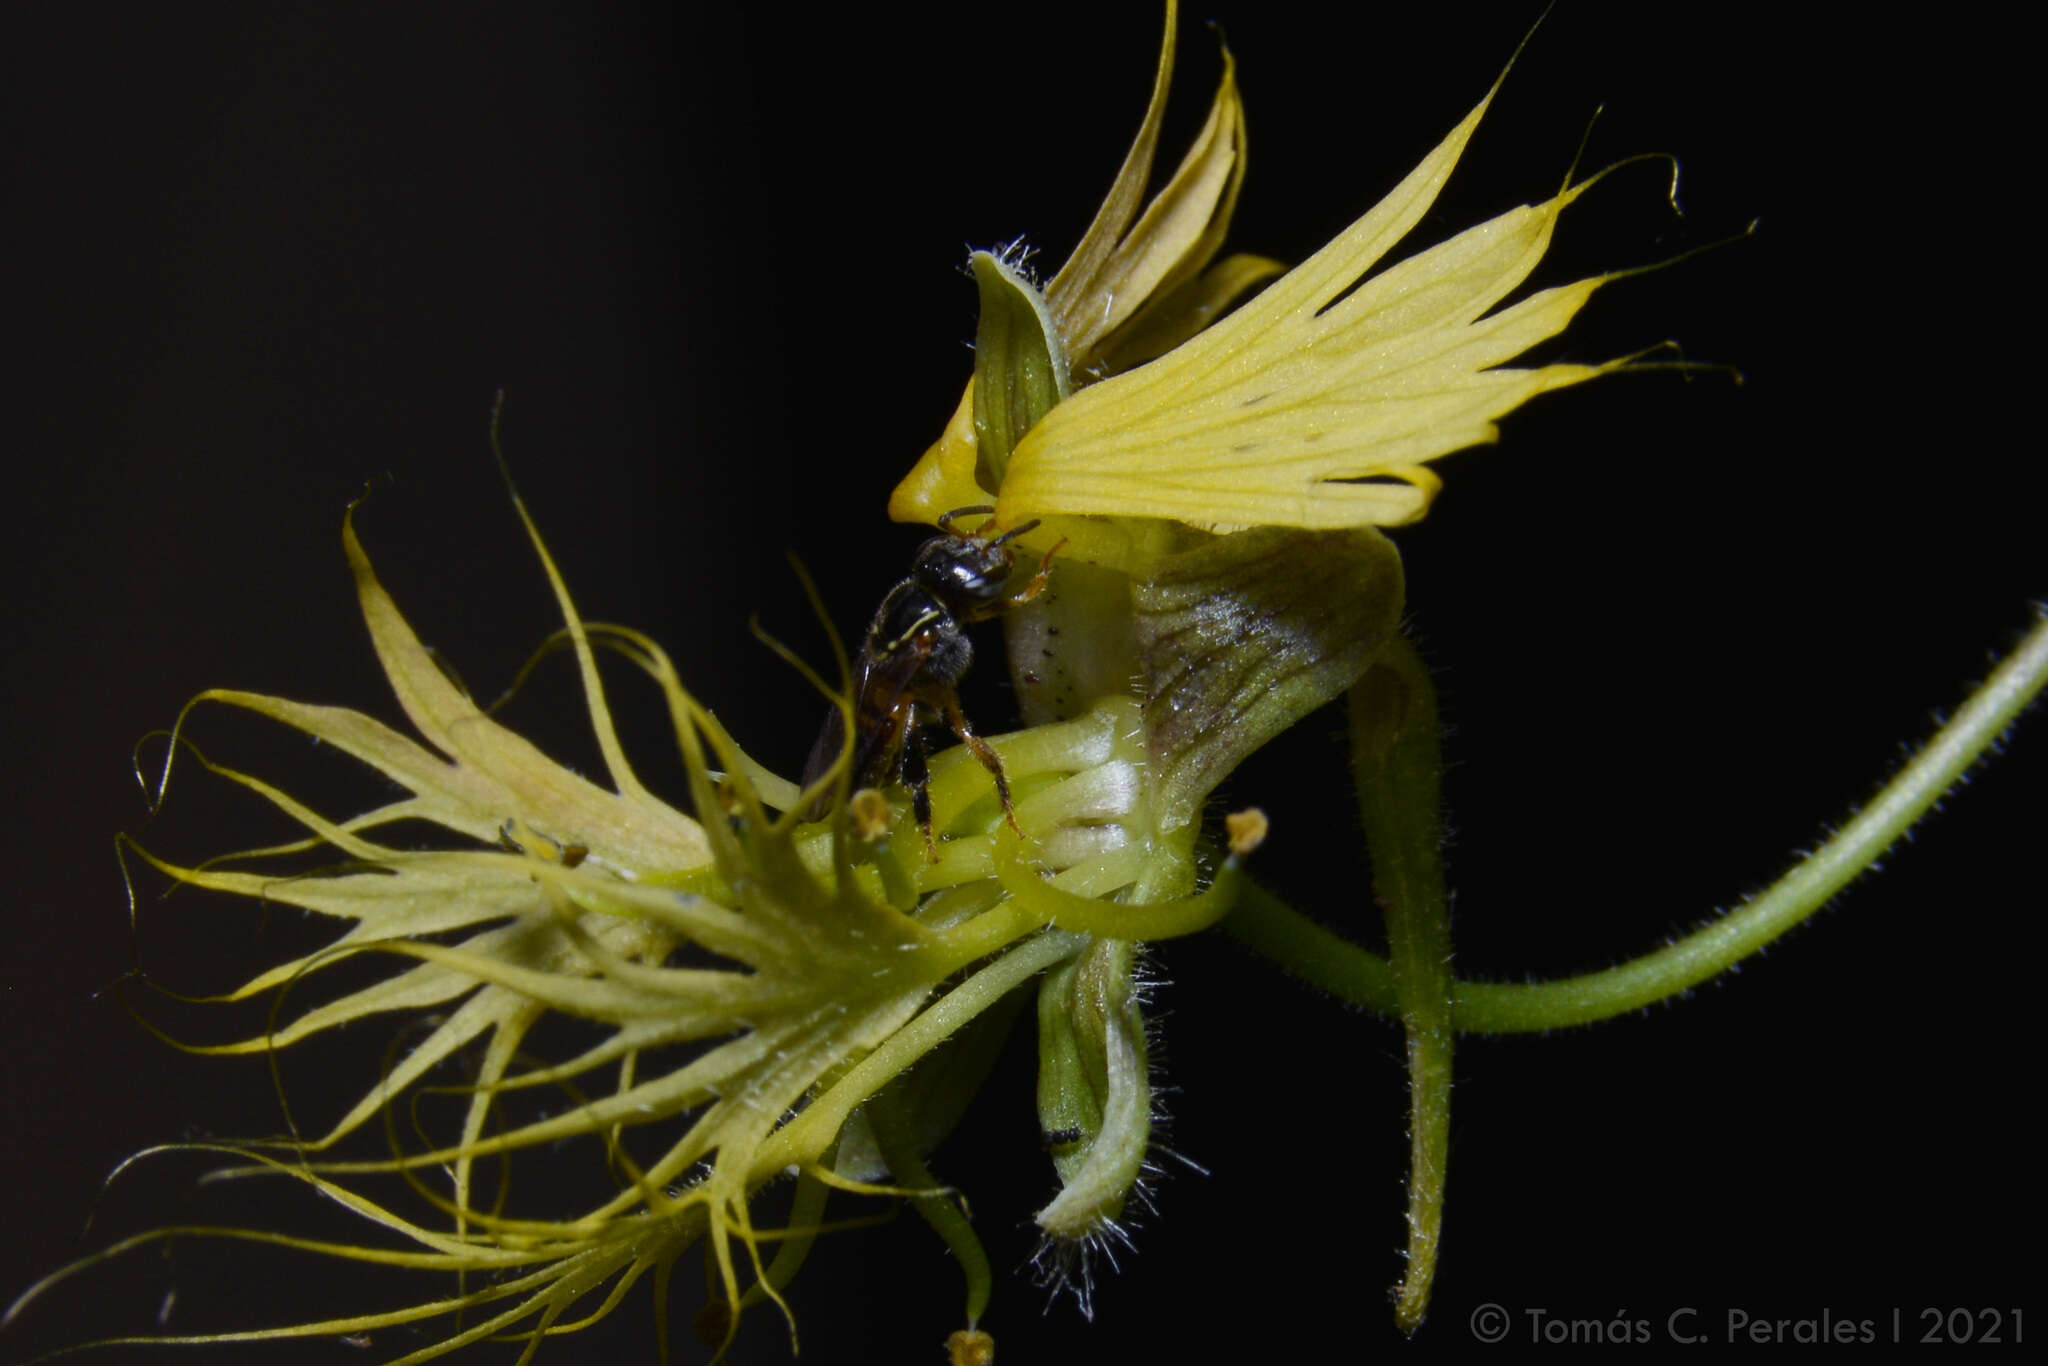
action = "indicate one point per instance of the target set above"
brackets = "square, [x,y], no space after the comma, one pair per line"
[911,662]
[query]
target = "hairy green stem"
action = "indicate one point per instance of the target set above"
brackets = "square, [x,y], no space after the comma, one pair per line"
[1320,957]
[1326,960]
[1520,1008]
[1398,763]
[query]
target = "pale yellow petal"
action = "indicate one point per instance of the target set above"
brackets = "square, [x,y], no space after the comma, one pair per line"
[503,776]
[1179,232]
[1319,403]
[1134,289]
[1087,273]
[943,478]
[1194,304]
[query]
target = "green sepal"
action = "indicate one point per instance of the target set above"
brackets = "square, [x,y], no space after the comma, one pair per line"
[1020,369]
[1094,1091]
[1240,636]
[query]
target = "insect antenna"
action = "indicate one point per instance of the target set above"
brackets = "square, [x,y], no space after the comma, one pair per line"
[1014,532]
[945,522]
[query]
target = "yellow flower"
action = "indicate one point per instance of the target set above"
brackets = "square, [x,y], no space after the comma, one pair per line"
[797,975]
[761,987]
[1318,404]
[1135,286]
[571,899]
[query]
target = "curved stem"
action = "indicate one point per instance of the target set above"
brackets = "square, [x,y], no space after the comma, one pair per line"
[1397,761]
[1504,1008]
[1320,957]
[1363,978]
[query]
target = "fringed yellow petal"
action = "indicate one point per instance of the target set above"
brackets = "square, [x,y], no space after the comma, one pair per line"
[1318,404]
[1179,233]
[796,995]
[943,477]
[494,1011]
[1129,290]
[1193,305]
[1088,274]
[501,774]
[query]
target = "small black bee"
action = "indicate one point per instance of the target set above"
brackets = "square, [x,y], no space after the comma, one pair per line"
[911,662]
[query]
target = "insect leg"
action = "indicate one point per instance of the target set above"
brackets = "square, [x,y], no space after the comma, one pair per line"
[915,773]
[949,702]
[1038,580]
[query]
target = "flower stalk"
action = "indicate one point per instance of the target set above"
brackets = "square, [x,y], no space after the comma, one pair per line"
[1397,762]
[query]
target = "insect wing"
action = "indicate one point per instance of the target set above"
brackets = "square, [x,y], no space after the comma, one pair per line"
[882,707]
[831,739]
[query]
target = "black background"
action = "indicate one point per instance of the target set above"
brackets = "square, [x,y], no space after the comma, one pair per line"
[263,258]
